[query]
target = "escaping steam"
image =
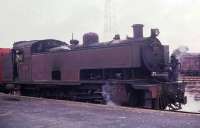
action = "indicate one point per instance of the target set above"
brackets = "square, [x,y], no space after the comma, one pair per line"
[178,54]
[180,51]
[107,94]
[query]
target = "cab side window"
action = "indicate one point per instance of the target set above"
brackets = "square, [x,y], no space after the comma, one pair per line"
[19,56]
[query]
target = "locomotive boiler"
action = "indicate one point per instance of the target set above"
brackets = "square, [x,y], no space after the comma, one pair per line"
[131,72]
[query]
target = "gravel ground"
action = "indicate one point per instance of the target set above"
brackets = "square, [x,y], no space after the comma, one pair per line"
[23,112]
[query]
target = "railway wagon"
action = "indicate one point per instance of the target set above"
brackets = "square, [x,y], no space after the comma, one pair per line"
[132,72]
[190,64]
[4,52]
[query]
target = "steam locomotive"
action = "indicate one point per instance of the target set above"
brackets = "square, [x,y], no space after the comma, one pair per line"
[132,72]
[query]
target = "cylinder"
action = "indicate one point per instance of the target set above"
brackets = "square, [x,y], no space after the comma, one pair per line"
[138,31]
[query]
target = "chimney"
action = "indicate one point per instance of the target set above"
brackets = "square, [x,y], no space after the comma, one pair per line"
[138,31]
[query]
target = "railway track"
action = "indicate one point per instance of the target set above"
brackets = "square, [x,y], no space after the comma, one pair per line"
[190,79]
[123,108]
[22,111]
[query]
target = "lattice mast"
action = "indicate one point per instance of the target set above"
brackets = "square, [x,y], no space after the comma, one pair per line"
[109,20]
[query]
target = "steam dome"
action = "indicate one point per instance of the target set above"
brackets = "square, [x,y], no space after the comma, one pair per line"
[90,38]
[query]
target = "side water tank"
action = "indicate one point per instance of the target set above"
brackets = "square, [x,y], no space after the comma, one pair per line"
[90,38]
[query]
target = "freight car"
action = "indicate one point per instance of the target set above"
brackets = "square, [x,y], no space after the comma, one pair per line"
[3,53]
[190,64]
[131,72]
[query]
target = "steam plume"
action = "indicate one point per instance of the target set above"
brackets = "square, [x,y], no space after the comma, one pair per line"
[180,51]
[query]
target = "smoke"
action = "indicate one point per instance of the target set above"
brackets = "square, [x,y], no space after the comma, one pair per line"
[180,51]
[107,94]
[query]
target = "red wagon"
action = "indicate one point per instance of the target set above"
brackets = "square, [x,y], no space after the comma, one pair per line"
[3,53]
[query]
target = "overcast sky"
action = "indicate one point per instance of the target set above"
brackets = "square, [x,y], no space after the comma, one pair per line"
[178,20]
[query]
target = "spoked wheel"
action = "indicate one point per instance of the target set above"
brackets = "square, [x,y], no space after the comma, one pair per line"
[174,106]
[164,103]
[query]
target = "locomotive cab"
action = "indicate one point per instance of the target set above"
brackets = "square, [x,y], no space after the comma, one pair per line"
[23,52]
